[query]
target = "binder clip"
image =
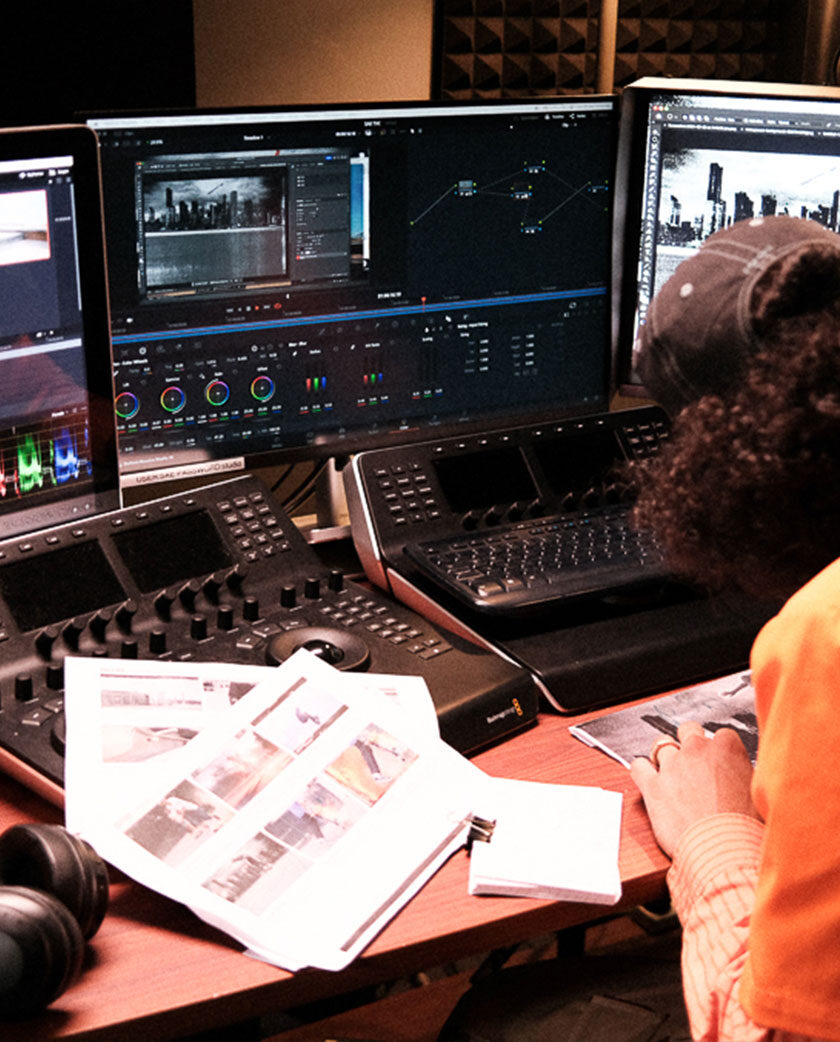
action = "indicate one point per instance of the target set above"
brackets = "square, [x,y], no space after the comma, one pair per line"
[481,831]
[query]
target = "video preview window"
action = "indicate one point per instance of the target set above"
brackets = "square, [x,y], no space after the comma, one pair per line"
[232,222]
[208,231]
[24,227]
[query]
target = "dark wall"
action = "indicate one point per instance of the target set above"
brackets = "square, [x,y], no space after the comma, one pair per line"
[63,58]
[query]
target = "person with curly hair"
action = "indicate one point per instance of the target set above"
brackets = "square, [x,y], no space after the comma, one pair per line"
[742,347]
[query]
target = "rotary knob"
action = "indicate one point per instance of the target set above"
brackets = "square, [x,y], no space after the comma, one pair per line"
[24,688]
[188,593]
[45,640]
[198,627]
[157,641]
[125,614]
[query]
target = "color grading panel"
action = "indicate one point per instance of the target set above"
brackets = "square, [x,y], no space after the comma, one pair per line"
[219,574]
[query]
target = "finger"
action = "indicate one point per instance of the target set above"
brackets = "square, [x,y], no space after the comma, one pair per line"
[642,772]
[662,749]
[690,729]
[731,740]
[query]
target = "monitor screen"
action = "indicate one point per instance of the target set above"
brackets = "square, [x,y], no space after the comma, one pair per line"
[695,156]
[57,442]
[312,282]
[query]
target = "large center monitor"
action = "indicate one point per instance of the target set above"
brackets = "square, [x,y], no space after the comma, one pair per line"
[313,282]
[697,155]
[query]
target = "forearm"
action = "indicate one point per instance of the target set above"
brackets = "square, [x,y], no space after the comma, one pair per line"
[712,883]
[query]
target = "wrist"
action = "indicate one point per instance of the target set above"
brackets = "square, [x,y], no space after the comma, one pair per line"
[709,852]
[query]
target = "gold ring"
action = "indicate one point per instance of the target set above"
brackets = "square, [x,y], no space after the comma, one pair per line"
[658,745]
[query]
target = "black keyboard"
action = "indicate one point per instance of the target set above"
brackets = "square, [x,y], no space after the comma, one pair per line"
[529,565]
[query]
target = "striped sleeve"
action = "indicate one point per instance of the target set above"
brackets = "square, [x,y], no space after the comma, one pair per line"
[712,883]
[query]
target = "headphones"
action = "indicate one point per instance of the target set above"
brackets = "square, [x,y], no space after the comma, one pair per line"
[53,898]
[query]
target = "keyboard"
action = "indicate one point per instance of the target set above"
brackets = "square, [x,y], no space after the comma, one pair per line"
[527,566]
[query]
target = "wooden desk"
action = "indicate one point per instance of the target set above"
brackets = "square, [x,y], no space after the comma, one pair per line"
[154,971]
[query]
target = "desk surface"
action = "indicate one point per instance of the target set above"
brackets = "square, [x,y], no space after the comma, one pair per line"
[154,971]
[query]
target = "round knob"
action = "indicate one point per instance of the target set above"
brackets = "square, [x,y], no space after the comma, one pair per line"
[45,640]
[470,519]
[125,614]
[335,581]
[288,597]
[235,577]
[224,617]
[55,676]
[251,609]
[312,589]
[212,584]
[71,632]
[24,689]
[157,641]
[493,516]
[198,627]
[99,623]
[189,592]
[164,601]
[128,648]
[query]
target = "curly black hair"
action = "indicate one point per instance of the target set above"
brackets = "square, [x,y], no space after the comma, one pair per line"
[747,492]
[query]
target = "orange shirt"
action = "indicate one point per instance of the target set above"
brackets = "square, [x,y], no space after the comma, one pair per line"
[760,903]
[792,973]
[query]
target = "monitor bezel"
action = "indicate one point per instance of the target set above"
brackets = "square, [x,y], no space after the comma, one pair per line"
[103,493]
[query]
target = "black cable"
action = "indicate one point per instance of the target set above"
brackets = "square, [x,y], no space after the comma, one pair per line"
[289,468]
[304,489]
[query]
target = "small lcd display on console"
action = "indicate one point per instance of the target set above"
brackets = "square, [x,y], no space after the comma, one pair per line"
[47,588]
[482,479]
[577,460]
[173,550]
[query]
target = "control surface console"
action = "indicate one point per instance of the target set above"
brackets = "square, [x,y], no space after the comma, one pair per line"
[215,574]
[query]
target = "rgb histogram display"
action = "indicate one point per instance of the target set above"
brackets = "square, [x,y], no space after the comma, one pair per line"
[43,458]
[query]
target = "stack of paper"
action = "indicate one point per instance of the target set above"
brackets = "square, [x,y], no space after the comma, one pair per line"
[551,841]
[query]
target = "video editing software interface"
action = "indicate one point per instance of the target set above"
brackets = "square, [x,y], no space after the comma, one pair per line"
[314,282]
[698,160]
[52,450]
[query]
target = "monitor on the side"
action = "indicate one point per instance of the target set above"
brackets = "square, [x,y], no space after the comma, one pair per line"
[697,155]
[313,282]
[58,460]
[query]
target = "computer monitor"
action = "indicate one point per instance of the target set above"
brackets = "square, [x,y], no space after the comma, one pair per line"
[58,459]
[695,156]
[312,282]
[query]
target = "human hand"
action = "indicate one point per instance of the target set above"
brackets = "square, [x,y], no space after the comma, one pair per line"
[694,779]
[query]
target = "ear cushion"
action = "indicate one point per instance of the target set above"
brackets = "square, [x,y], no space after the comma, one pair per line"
[49,858]
[41,950]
